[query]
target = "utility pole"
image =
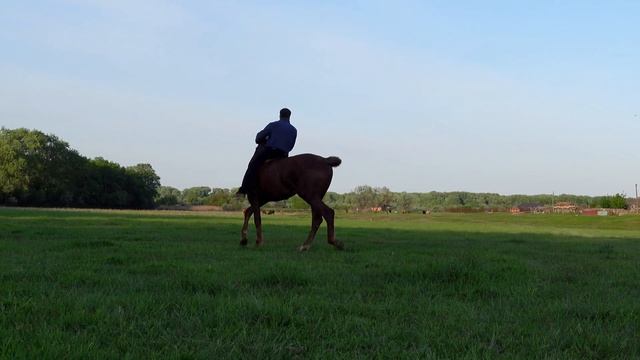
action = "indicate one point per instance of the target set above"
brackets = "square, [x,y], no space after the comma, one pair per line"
[637,204]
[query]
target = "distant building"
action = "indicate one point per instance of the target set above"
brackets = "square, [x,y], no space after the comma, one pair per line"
[565,207]
[383,208]
[590,212]
[533,208]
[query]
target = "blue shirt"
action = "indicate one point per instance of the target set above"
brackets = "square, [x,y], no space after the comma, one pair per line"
[279,135]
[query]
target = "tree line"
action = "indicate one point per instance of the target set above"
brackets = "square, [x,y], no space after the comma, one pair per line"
[38,169]
[366,198]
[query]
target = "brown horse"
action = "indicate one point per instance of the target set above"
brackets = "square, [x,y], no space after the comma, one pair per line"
[307,175]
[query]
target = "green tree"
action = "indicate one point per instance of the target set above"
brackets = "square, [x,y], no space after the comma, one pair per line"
[195,195]
[108,185]
[13,164]
[404,201]
[297,203]
[219,197]
[143,184]
[619,201]
[168,195]
[38,169]
[384,196]
[454,199]
[365,197]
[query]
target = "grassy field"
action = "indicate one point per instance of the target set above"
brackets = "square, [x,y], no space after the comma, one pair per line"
[99,284]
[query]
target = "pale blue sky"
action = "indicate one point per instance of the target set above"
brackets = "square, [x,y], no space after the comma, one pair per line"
[497,96]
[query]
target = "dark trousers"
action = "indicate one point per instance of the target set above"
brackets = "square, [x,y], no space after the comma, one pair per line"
[262,154]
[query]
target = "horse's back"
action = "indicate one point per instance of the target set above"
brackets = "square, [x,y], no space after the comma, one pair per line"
[301,174]
[302,166]
[306,161]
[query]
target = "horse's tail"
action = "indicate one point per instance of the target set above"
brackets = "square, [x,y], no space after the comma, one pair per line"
[333,161]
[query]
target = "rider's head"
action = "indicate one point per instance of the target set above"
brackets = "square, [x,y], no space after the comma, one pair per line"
[285,114]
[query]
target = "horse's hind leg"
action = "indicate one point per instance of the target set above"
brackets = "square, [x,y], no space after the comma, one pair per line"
[329,216]
[316,220]
[245,226]
[257,220]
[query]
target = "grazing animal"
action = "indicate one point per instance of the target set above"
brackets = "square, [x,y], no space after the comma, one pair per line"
[306,175]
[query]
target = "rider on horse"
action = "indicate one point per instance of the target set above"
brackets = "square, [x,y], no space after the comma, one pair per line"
[276,140]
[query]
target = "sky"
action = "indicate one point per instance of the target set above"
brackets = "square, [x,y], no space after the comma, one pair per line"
[511,97]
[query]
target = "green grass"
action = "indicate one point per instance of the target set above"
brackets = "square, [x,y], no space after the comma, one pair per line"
[99,284]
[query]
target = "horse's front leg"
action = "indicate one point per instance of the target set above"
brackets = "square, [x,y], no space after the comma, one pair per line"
[257,219]
[245,226]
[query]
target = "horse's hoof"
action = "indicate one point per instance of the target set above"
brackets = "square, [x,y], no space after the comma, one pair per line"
[339,245]
[259,243]
[243,242]
[303,248]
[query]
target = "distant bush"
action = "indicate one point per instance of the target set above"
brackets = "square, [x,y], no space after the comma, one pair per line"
[617,201]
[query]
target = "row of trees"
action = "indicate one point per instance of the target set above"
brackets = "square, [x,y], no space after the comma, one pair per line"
[38,169]
[365,197]
[199,195]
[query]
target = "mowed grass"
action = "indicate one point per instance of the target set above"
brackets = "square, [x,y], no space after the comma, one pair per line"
[100,284]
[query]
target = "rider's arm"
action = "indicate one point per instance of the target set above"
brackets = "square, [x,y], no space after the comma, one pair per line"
[263,135]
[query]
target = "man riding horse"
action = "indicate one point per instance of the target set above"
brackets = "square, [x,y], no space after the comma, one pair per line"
[275,141]
[306,175]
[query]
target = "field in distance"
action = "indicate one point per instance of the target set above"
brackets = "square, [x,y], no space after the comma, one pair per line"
[118,284]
